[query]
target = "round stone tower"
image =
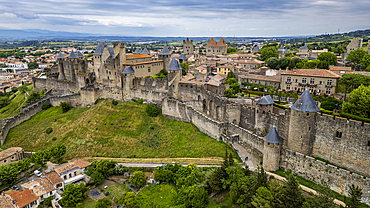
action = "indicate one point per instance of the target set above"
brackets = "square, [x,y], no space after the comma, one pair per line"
[263,106]
[302,124]
[174,77]
[128,76]
[271,150]
[165,56]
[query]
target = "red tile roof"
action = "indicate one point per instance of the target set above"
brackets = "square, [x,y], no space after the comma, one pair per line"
[212,42]
[23,198]
[312,73]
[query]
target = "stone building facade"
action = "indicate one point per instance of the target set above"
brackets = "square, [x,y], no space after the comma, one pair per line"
[318,81]
[188,47]
[13,154]
[216,48]
[356,43]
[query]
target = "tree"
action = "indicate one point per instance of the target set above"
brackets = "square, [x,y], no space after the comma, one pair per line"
[33,65]
[323,65]
[273,62]
[356,56]
[330,103]
[284,63]
[103,203]
[9,174]
[236,87]
[152,110]
[277,195]
[33,96]
[97,178]
[230,81]
[4,101]
[14,89]
[46,106]
[230,75]
[365,62]
[231,50]
[24,164]
[299,65]
[339,50]
[48,200]
[358,67]
[163,175]
[22,88]
[129,200]
[310,65]
[329,57]
[355,194]
[65,106]
[192,196]
[105,167]
[352,81]
[138,179]
[262,198]
[231,159]
[269,52]
[261,178]
[73,194]
[291,64]
[359,102]
[292,194]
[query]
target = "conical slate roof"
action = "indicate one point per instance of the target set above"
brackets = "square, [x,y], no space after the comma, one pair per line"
[256,48]
[128,70]
[145,51]
[183,57]
[99,49]
[137,51]
[273,137]
[79,55]
[164,51]
[307,104]
[266,100]
[60,56]
[304,47]
[73,55]
[174,65]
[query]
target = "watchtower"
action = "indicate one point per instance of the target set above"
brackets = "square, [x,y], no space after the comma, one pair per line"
[127,76]
[302,124]
[263,107]
[174,77]
[271,150]
[188,47]
[60,59]
[165,56]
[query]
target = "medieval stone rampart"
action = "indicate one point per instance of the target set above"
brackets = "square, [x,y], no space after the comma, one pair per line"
[314,170]
[142,83]
[40,84]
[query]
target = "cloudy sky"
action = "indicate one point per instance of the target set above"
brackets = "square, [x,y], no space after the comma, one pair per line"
[187,18]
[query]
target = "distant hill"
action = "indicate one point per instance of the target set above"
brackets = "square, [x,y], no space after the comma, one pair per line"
[365,34]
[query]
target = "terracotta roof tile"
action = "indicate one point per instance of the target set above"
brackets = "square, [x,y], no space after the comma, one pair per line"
[137,56]
[5,202]
[8,152]
[81,163]
[140,63]
[54,178]
[312,73]
[23,198]
[44,187]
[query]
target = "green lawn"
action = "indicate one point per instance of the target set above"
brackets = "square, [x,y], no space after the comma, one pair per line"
[88,203]
[105,130]
[116,191]
[160,195]
[15,105]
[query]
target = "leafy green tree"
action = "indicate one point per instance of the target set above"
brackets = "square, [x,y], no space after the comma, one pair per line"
[356,56]
[358,67]
[73,194]
[103,203]
[231,159]
[33,96]
[97,178]
[236,87]
[152,110]
[24,164]
[292,194]
[105,167]
[354,200]
[4,101]
[261,178]
[323,65]
[329,57]
[65,106]
[230,81]
[79,205]
[269,52]
[291,64]
[3,55]
[299,65]
[231,50]
[273,62]
[228,92]
[163,175]
[33,65]
[310,65]
[359,102]
[9,174]
[306,205]
[284,63]
[262,198]
[352,81]
[365,62]
[339,50]
[48,200]
[241,186]
[129,200]
[330,103]
[22,89]
[138,179]
[46,106]
[230,75]
[192,196]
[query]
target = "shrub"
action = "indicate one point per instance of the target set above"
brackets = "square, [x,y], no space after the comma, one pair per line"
[152,110]
[114,102]
[33,96]
[46,106]
[140,101]
[54,138]
[65,106]
[138,179]
[49,130]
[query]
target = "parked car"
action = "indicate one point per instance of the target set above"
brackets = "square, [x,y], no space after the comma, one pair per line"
[37,173]
[15,187]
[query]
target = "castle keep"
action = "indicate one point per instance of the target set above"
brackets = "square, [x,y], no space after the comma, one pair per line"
[289,138]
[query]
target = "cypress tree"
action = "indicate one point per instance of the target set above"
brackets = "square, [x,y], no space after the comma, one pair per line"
[292,197]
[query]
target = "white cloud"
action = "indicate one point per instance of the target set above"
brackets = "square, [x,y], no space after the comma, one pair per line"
[8,15]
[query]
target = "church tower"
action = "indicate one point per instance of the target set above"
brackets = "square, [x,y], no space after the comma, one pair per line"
[302,124]
[188,47]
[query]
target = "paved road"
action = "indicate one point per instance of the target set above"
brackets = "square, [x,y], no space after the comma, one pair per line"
[243,154]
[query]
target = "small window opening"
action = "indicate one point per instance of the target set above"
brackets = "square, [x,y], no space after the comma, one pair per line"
[368,143]
[338,134]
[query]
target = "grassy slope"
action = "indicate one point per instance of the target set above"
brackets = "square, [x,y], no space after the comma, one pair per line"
[15,105]
[160,195]
[105,130]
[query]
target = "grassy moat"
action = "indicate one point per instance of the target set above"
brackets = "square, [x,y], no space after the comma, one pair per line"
[106,130]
